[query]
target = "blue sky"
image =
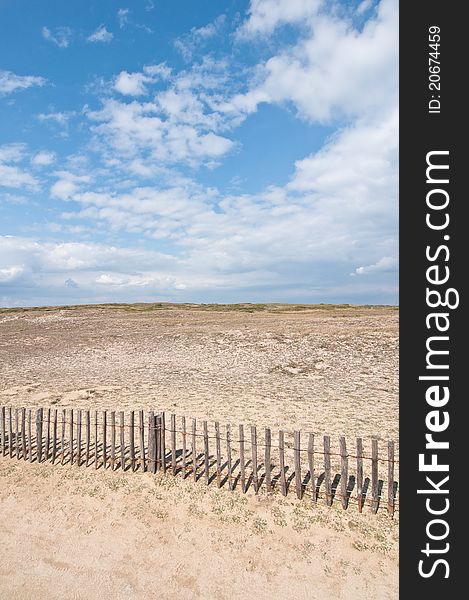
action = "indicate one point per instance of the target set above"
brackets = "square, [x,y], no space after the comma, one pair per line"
[198,151]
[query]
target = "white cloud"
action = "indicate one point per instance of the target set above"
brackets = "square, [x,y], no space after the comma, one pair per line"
[60,36]
[264,16]
[159,71]
[10,82]
[131,128]
[384,265]
[11,273]
[12,175]
[123,17]
[67,184]
[364,6]
[187,44]
[43,158]
[326,73]
[61,118]
[131,84]
[12,152]
[101,35]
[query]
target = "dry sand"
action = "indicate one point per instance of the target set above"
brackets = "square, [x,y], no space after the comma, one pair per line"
[72,532]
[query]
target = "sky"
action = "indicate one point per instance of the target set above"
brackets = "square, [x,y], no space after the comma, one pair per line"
[181,151]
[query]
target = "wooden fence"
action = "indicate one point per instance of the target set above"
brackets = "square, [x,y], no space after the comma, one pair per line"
[306,465]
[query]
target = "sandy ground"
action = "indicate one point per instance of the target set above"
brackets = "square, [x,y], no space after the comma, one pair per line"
[72,532]
[326,371]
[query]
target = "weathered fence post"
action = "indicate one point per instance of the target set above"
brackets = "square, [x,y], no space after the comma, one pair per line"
[255,479]
[132,440]
[241,459]
[173,443]
[39,414]
[10,431]
[88,437]
[23,431]
[360,474]
[218,449]
[267,463]
[296,450]
[79,437]
[151,442]
[281,455]
[96,439]
[30,436]
[343,472]
[327,470]
[122,438]
[206,454]
[54,437]
[228,457]
[62,441]
[113,440]
[184,446]
[194,449]
[142,439]
[374,476]
[47,444]
[104,439]
[71,435]
[158,442]
[2,427]
[163,441]
[391,500]
[17,428]
[311,466]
